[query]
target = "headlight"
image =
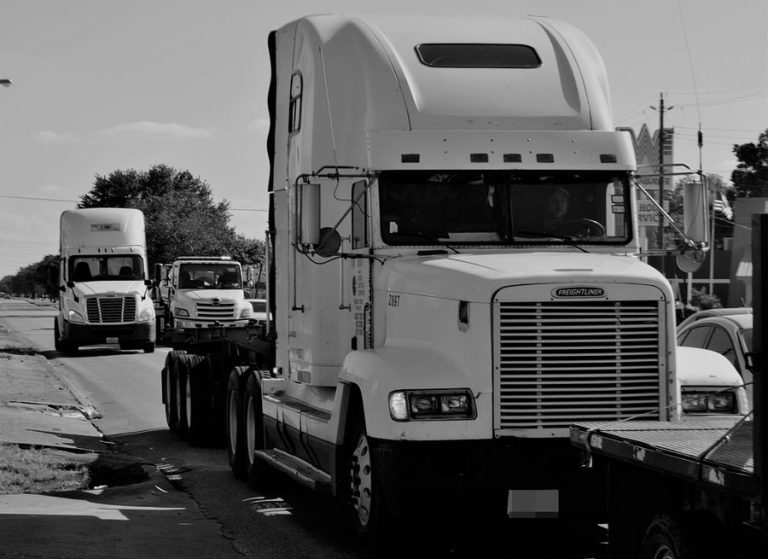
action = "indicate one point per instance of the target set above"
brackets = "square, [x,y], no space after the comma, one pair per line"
[407,405]
[247,312]
[147,314]
[178,311]
[709,402]
[74,316]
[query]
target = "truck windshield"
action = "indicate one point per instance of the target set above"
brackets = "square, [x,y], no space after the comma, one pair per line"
[209,276]
[83,268]
[504,207]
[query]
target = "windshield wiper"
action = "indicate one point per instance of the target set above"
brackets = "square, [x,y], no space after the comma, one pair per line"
[541,234]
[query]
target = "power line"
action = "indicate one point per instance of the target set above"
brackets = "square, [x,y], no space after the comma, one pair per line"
[37,199]
[33,198]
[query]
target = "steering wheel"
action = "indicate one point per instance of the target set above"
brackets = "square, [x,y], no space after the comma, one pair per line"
[583,227]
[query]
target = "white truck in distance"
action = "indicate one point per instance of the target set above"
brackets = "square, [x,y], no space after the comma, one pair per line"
[200,291]
[102,277]
[434,331]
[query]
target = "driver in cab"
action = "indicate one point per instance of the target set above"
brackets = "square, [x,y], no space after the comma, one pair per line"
[555,209]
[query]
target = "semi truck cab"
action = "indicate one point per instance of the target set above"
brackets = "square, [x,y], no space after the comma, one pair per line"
[203,291]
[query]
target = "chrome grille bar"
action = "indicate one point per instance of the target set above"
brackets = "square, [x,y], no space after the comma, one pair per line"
[562,362]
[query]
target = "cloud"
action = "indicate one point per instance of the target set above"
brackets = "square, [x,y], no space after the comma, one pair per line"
[51,137]
[156,131]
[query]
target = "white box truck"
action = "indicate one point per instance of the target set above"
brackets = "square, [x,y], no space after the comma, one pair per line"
[103,282]
[434,331]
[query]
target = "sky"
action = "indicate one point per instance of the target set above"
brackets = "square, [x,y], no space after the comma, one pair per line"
[105,85]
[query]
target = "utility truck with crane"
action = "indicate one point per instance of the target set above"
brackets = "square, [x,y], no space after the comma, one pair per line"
[432,334]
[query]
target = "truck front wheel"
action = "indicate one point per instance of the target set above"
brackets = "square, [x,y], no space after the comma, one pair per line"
[57,337]
[370,517]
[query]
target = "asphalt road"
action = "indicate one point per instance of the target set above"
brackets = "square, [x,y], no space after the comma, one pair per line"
[285,521]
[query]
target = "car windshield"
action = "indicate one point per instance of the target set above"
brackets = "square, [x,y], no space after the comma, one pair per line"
[209,276]
[504,207]
[87,268]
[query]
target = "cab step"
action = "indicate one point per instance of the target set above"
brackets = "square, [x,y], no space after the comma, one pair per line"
[301,471]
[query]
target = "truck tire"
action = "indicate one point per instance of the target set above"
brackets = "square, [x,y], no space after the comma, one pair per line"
[236,449]
[182,372]
[665,538]
[371,520]
[149,347]
[57,337]
[169,389]
[257,470]
[198,406]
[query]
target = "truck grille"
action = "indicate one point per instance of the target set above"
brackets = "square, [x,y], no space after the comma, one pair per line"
[111,309]
[563,362]
[207,310]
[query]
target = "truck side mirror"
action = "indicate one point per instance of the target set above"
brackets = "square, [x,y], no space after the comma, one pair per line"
[158,272]
[308,209]
[329,243]
[695,226]
[696,213]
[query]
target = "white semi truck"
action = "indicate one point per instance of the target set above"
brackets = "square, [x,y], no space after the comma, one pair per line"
[434,334]
[103,282]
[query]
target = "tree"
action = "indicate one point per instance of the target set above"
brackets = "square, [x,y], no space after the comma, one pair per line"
[33,280]
[751,174]
[181,216]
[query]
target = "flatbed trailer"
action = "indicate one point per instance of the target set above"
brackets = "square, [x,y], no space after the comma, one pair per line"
[693,488]
[694,479]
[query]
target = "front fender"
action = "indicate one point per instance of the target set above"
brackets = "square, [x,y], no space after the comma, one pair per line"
[379,372]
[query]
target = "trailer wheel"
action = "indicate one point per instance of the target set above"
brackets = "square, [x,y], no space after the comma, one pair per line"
[182,372]
[257,470]
[234,423]
[683,536]
[665,538]
[169,389]
[198,407]
[370,518]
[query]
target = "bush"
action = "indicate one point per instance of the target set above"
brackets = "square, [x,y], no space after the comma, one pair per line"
[704,301]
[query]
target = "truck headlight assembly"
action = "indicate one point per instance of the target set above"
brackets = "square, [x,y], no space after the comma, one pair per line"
[178,311]
[406,405]
[74,316]
[247,312]
[147,314]
[709,402]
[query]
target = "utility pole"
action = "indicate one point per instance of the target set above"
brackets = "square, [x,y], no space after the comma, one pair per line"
[661,109]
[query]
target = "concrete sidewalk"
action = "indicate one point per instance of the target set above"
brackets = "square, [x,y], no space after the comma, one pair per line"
[140,510]
[36,405]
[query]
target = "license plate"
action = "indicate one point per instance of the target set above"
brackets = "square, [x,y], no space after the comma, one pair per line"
[533,503]
[113,340]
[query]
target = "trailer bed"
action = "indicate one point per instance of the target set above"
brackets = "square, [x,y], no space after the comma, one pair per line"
[707,450]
